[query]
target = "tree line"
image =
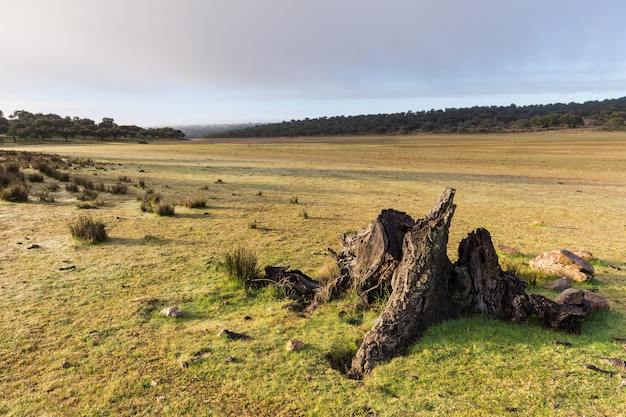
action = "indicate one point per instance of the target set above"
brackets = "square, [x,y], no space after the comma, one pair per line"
[24,125]
[606,114]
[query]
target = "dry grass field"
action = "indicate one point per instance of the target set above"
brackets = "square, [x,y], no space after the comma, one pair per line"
[81,332]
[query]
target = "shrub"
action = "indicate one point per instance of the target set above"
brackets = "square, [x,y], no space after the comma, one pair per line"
[253,225]
[303,213]
[10,176]
[87,195]
[149,200]
[17,193]
[45,197]
[91,204]
[195,202]
[62,176]
[294,200]
[35,177]
[164,209]
[88,230]
[85,182]
[100,187]
[119,189]
[241,266]
[124,178]
[72,188]
[52,186]
[142,183]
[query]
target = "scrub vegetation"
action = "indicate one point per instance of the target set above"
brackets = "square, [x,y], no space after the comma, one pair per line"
[82,334]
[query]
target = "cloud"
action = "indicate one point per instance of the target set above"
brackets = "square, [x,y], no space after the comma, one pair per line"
[310,50]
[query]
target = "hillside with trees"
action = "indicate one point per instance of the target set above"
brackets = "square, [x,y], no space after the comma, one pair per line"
[606,114]
[23,125]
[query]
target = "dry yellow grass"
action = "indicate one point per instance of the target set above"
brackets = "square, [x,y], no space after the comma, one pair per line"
[572,182]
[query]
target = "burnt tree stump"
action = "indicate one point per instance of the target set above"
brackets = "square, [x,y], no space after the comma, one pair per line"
[494,292]
[420,292]
[369,258]
[303,285]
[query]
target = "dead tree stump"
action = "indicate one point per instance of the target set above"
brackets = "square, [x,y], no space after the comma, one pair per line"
[494,292]
[420,290]
[369,258]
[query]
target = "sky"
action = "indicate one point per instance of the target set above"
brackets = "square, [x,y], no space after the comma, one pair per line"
[177,62]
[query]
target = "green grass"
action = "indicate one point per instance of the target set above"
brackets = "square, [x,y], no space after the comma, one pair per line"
[467,367]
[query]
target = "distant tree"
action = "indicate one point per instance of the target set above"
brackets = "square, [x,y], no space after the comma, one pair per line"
[4,123]
[108,128]
[571,120]
[85,127]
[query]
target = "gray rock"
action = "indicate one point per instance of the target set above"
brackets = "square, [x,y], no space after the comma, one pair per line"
[559,285]
[172,311]
[589,300]
[563,263]
[294,345]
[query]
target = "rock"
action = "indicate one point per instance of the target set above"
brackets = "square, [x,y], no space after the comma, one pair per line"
[559,285]
[172,311]
[294,345]
[590,301]
[160,398]
[230,359]
[583,253]
[153,383]
[232,335]
[564,263]
[508,250]
[65,365]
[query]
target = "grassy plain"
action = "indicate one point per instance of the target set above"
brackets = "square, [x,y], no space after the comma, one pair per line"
[121,358]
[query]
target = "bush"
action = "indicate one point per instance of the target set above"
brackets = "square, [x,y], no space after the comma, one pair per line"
[72,188]
[164,209]
[52,186]
[17,193]
[241,266]
[87,195]
[88,230]
[92,204]
[124,178]
[85,182]
[195,202]
[35,177]
[10,176]
[294,200]
[45,197]
[149,200]
[119,189]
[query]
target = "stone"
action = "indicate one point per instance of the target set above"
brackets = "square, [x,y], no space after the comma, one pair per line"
[559,285]
[508,250]
[564,263]
[294,345]
[172,311]
[583,253]
[589,300]
[64,365]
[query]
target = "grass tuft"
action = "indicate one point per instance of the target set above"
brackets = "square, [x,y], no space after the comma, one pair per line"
[35,177]
[241,265]
[16,193]
[163,209]
[87,230]
[119,189]
[194,202]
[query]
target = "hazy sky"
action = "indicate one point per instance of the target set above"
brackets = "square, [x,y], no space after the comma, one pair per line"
[169,62]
